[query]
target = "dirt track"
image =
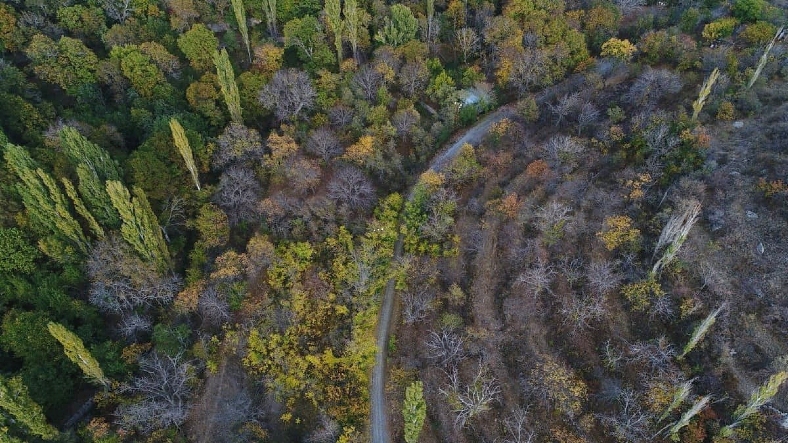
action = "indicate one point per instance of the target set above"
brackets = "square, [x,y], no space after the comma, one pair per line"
[379,419]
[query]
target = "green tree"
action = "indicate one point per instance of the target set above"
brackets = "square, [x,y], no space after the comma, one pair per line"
[269,10]
[140,228]
[94,167]
[240,16]
[399,28]
[334,18]
[356,21]
[224,72]
[414,411]
[16,401]
[182,144]
[79,206]
[146,78]
[18,255]
[76,352]
[67,63]
[760,397]
[306,36]
[198,45]
[749,11]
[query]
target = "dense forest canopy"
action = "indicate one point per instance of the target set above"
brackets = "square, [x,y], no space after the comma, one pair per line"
[575,209]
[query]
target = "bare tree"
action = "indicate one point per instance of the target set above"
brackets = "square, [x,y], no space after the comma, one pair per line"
[237,144]
[537,278]
[551,215]
[340,116]
[289,93]
[652,85]
[413,78]
[445,347]
[628,6]
[588,115]
[163,388]
[630,422]
[327,431]
[367,81]
[351,187]
[656,356]
[468,41]
[565,106]
[472,399]
[213,307]
[417,304]
[530,67]
[580,311]
[602,277]
[517,427]
[118,10]
[564,149]
[133,324]
[238,194]
[323,143]
[404,120]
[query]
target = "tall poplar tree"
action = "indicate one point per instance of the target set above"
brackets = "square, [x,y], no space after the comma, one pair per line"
[81,209]
[182,143]
[334,18]
[356,20]
[269,9]
[16,401]
[76,352]
[46,206]
[240,17]
[94,167]
[139,227]
[224,71]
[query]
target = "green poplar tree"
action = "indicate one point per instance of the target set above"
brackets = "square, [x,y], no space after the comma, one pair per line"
[269,9]
[182,143]
[414,411]
[94,167]
[81,209]
[224,70]
[334,19]
[240,17]
[356,20]
[16,401]
[46,206]
[139,226]
[76,352]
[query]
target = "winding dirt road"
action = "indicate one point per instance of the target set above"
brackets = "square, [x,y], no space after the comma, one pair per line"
[379,417]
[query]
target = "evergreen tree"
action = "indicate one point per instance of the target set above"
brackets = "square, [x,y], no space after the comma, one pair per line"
[94,166]
[182,143]
[334,19]
[16,401]
[81,209]
[224,71]
[414,411]
[76,352]
[240,17]
[139,226]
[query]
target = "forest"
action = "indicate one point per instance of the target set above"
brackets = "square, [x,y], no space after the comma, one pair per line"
[347,221]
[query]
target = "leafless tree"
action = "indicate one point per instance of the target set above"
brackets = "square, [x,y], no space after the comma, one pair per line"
[121,281]
[213,307]
[602,277]
[237,144]
[238,194]
[652,85]
[468,41]
[173,215]
[163,388]
[340,116]
[323,143]
[564,149]
[565,106]
[327,431]
[351,187]
[529,68]
[417,304]
[537,278]
[628,6]
[404,120]
[445,347]
[473,398]
[413,78]
[289,93]
[552,214]
[656,356]
[367,81]
[118,10]
[303,175]
[588,115]
[630,422]
[517,427]
[572,269]
[133,324]
[580,311]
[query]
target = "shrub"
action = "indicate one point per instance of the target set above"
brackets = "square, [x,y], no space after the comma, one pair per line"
[640,294]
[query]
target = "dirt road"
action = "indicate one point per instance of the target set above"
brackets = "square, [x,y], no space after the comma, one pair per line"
[379,417]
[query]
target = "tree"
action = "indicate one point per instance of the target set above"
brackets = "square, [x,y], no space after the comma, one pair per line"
[224,72]
[68,63]
[18,256]
[674,233]
[182,144]
[240,17]
[76,352]
[472,399]
[164,387]
[399,28]
[16,401]
[146,78]
[198,44]
[238,194]
[620,49]
[94,167]
[356,21]
[749,11]
[140,227]
[652,85]
[760,397]
[323,143]
[306,35]
[288,94]
[352,187]
[414,411]
[413,77]
[764,58]
[468,41]
[269,10]
[81,209]
[337,25]
[237,145]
